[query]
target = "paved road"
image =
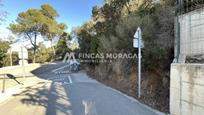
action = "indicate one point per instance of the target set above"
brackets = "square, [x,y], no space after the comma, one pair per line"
[70,94]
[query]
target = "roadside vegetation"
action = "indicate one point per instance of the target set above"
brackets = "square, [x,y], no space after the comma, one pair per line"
[32,25]
[43,54]
[39,22]
[112,28]
[5,57]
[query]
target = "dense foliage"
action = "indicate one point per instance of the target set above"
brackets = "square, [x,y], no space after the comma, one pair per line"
[62,46]
[43,54]
[113,25]
[7,60]
[111,29]
[4,46]
[35,22]
[5,56]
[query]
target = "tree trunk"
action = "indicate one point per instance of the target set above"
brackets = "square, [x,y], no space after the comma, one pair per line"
[34,48]
[34,54]
[34,44]
[53,49]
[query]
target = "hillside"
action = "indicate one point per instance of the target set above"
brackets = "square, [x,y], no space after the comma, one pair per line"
[111,30]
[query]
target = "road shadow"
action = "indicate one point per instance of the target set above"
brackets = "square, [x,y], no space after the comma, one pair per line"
[49,94]
[50,97]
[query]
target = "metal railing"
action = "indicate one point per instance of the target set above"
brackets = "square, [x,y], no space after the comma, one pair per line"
[8,76]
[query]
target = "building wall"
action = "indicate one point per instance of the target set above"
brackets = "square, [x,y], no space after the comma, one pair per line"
[191,34]
[187,89]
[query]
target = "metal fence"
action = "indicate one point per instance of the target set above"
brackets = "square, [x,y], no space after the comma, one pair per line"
[189,27]
[185,6]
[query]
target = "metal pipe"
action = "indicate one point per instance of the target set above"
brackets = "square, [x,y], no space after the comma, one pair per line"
[139,64]
[4,83]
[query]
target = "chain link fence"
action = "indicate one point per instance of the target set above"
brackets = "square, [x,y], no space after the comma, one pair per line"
[185,6]
[190,31]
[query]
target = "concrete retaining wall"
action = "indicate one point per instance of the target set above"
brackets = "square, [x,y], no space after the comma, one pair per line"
[191,34]
[19,70]
[187,89]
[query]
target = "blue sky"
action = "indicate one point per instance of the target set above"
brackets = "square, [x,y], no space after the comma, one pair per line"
[72,12]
